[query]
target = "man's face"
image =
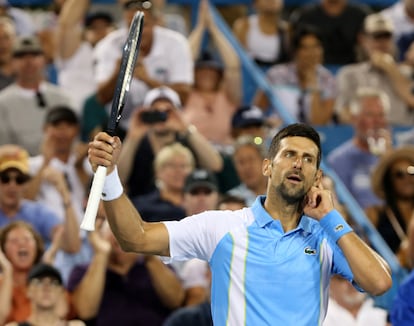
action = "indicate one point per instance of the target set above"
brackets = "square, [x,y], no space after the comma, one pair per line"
[29,67]
[162,105]
[248,161]
[44,292]
[200,199]
[378,42]
[294,170]
[173,172]
[309,52]
[207,79]
[97,30]
[12,186]
[61,136]
[371,118]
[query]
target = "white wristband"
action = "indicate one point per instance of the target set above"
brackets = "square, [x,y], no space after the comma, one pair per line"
[112,188]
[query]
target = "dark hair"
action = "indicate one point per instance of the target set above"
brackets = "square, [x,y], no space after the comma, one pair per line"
[21,224]
[208,60]
[226,199]
[295,130]
[300,32]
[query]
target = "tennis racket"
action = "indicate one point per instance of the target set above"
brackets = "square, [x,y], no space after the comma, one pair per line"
[129,58]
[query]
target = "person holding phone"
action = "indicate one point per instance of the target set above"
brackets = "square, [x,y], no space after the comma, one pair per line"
[268,259]
[157,124]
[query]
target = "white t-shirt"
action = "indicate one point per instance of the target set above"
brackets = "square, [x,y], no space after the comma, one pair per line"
[76,75]
[168,62]
[368,315]
[402,23]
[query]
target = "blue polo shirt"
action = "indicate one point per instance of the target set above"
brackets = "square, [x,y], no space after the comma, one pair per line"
[43,219]
[260,274]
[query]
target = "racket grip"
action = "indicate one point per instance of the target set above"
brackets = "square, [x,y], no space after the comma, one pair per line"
[88,222]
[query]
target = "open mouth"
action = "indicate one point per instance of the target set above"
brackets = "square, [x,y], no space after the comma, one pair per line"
[295,178]
[23,253]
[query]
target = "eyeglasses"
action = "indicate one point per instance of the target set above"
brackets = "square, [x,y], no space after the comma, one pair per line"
[401,174]
[19,179]
[201,191]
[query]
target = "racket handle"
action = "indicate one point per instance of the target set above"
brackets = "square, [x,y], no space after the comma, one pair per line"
[88,222]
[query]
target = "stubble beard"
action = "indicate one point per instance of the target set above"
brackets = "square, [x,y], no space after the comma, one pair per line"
[289,195]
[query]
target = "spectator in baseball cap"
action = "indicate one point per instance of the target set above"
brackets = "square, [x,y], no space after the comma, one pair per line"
[250,120]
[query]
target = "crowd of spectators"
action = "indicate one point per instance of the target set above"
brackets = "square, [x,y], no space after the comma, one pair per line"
[190,143]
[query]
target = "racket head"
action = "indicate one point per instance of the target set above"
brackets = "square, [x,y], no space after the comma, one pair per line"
[126,71]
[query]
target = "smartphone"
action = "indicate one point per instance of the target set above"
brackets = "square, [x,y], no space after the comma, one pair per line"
[154,116]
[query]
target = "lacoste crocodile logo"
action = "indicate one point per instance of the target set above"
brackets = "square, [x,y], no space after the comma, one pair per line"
[309,251]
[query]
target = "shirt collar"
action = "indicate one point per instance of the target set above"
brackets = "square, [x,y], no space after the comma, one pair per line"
[263,218]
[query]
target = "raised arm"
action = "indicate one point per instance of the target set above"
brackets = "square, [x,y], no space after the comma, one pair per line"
[166,283]
[87,296]
[136,132]
[207,156]
[70,28]
[206,23]
[132,233]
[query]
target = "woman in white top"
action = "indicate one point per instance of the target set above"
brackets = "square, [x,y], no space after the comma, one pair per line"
[264,35]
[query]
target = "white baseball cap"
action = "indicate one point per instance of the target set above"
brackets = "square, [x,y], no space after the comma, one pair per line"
[164,93]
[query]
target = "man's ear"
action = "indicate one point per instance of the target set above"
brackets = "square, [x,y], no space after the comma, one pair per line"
[318,177]
[267,167]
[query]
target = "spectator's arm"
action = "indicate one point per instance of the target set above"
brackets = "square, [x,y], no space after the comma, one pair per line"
[136,133]
[70,28]
[166,283]
[230,58]
[402,85]
[106,89]
[88,294]
[196,36]
[240,28]
[6,287]
[71,241]
[261,101]
[207,156]
[321,110]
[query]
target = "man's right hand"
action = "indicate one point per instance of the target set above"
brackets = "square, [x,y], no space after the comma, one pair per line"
[104,150]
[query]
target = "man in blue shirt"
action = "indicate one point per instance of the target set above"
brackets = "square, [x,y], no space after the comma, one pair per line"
[271,262]
[14,175]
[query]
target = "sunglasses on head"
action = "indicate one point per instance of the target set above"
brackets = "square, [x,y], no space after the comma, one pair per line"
[19,179]
[201,191]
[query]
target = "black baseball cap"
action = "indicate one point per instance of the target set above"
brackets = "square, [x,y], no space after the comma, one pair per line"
[42,270]
[201,179]
[249,115]
[61,113]
[207,60]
